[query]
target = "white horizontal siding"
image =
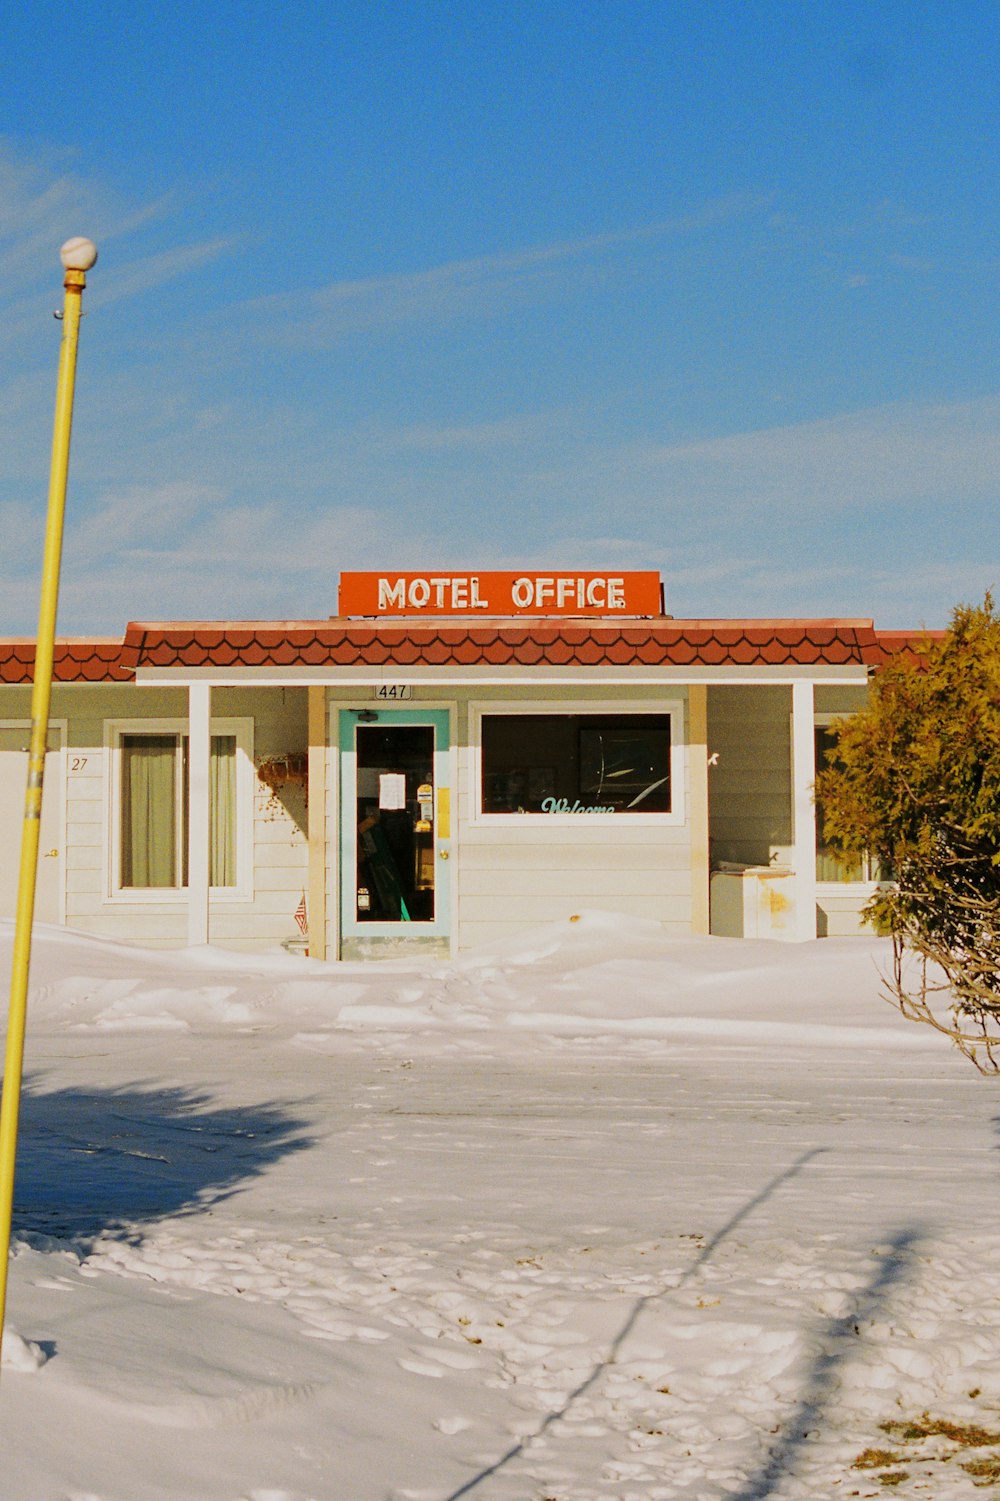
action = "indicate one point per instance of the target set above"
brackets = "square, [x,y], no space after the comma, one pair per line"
[515,875]
[87,785]
[84,885]
[750,783]
[605,831]
[280,878]
[510,876]
[83,810]
[525,910]
[81,856]
[258,931]
[157,928]
[505,877]
[648,885]
[840,909]
[84,835]
[273,831]
[493,929]
[279,841]
[543,855]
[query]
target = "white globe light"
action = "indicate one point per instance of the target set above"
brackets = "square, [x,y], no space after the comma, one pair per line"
[78,254]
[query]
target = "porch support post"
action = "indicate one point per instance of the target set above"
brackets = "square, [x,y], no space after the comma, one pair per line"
[316,899]
[698,803]
[199,756]
[803,808]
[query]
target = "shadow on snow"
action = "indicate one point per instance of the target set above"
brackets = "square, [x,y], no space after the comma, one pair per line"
[692,1271]
[835,1338]
[838,1338]
[113,1160]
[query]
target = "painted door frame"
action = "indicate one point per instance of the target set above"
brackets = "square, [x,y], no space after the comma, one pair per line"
[438,713]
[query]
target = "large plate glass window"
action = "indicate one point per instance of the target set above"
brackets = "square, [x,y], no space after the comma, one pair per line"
[598,764]
[394,812]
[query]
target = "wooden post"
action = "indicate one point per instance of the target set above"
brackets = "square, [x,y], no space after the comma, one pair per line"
[199,759]
[803,808]
[317,887]
[698,804]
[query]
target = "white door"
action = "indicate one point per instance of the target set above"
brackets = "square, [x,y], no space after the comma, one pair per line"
[13,781]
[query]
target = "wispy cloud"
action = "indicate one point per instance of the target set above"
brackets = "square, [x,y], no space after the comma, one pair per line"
[195,492]
[141,519]
[475,287]
[43,200]
[896,598]
[38,198]
[897,454]
[150,271]
[506,432]
[185,551]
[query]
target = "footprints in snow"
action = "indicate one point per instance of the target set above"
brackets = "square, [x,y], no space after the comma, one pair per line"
[688,1371]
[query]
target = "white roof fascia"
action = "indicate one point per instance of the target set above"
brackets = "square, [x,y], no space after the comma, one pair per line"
[506,675]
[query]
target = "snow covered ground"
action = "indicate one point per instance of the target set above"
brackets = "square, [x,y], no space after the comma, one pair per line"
[595,1214]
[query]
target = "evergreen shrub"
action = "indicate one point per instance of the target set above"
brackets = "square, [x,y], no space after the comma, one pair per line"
[915,785]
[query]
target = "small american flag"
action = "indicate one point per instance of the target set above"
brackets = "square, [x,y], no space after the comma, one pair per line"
[300,916]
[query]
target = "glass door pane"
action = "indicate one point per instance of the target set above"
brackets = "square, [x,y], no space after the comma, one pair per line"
[394,818]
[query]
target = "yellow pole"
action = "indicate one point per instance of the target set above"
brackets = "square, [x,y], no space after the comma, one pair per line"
[78,255]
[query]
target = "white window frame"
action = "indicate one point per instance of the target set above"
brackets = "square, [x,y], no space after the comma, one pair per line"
[822,720]
[559,707]
[114,731]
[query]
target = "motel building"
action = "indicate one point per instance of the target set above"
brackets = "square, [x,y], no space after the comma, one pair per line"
[451,758]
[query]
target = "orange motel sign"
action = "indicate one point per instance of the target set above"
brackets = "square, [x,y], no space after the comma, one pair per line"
[505,594]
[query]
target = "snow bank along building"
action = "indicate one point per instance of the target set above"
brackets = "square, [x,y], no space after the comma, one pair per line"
[451,758]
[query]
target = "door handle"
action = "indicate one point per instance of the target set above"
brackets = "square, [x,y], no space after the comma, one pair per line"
[442,854]
[50,854]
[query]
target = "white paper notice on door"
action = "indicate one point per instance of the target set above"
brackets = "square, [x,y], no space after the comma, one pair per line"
[392,790]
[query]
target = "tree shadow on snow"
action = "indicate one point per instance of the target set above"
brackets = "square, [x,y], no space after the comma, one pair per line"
[704,1255]
[113,1160]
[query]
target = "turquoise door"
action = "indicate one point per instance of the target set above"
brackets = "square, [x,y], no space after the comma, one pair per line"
[395,827]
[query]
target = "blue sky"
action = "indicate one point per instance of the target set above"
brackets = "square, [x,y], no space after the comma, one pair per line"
[707,287]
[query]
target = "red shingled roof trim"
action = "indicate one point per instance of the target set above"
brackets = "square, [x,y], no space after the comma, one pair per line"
[912,644]
[530,642]
[533,642]
[16,659]
[560,653]
[225,654]
[100,660]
